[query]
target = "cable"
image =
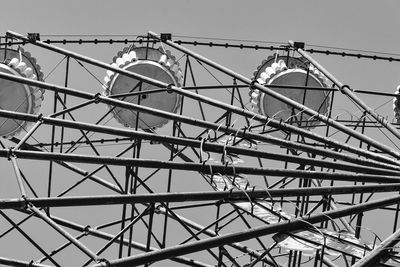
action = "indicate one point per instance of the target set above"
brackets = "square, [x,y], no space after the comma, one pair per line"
[354,50]
[230,39]
[391,57]
[223,39]
[89,35]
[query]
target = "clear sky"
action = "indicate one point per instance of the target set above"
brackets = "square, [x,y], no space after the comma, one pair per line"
[370,25]
[357,24]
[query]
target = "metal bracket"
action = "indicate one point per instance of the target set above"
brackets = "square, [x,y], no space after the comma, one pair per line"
[165,36]
[298,45]
[33,36]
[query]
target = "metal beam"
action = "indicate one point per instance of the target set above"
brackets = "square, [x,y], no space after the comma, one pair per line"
[12,262]
[295,224]
[214,147]
[200,167]
[228,196]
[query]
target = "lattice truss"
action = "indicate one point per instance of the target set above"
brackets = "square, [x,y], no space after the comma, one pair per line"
[143,152]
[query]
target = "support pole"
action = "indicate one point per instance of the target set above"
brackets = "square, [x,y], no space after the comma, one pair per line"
[28,134]
[202,168]
[249,234]
[12,262]
[228,196]
[213,147]
[18,176]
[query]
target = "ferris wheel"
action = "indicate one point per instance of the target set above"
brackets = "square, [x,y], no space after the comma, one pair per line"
[168,158]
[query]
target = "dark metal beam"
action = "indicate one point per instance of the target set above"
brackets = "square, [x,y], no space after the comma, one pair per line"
[228,196]
[12,262]
[213,147]
[249,234]
[200,167]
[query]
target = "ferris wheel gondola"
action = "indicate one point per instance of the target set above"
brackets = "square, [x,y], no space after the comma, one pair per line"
[281,71]
[153,63]
[15,96]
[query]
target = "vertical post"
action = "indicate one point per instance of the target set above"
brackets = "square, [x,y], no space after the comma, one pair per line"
[133,187]
[229,117]
[150,228]
[123,218]
[18,176]
[359,216]
[216,230]
[396,217]
[53,133]
[169,182]
[64,101]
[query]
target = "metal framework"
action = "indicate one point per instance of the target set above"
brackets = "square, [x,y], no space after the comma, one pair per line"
[213,187]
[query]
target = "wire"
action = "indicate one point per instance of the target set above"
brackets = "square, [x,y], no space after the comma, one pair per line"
[285,43]
[90,35]
[224,39]
[330,50]
[175,35]
[54,68]
[230,39]
[354,50]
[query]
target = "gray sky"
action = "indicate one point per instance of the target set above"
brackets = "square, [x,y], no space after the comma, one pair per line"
[368,25]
